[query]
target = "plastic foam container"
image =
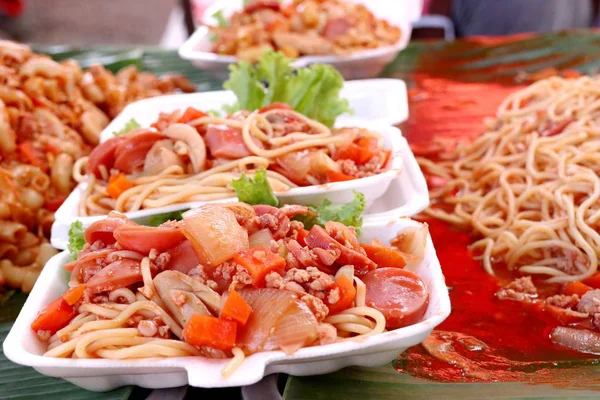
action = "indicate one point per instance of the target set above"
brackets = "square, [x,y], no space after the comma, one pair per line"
[22,346]
[360,65]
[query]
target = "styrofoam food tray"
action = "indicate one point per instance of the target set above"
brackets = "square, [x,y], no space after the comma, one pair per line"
[378,100]
[22,346]
[360,65]
[407,196]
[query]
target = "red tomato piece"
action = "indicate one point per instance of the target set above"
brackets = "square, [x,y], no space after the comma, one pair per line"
[225,142]
[191,114]
[118,274]
[261,4]
[103,230]
[103,154]
[130,154]
[275,106]
[400,295]
[145,238]
[334,176]
[54,316]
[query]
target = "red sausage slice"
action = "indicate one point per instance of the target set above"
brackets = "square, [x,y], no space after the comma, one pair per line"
[130,154]
[400,295]
[103,154]
[145,238]
[103,230]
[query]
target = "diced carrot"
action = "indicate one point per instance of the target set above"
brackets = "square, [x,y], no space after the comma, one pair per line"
[191,114]
[275,106]
[577,287]
[236,308]
[302,234]
[117,185]
[54,316]
[205,330]
[334,176]
[260,261]
[73,295]
[593,281]
[571,74]
[33,156]
[384,256]
[347,294]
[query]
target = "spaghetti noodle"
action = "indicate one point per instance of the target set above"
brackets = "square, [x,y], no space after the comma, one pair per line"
[529,186]
[181,165]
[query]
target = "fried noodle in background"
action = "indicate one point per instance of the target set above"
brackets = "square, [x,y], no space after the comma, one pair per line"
[51,114]
[304,27]
[192,173]
[528,188]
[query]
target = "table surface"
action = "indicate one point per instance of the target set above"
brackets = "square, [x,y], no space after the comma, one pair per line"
[461,82]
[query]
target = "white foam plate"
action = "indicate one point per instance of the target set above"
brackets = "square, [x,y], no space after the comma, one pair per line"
[360,65]
[22,346]
[378,100]
[398,192]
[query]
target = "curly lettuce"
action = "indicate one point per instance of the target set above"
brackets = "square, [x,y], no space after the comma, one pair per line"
[255,190]
[313,91]
[349,214]
[76,239]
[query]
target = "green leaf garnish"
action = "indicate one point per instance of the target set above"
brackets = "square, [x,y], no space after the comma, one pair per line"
[255,190]
[349,214]
[313,91]
[159,219]
[76,240]
[221,20]
[132,124]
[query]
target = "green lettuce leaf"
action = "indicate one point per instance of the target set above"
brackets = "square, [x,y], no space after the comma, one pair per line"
[132,124]
[255,190]
[159,219]
[221,20]
[76,240]
[349,214]
[313,91]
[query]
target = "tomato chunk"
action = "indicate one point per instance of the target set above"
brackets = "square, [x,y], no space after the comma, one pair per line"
[275,106]
[204,330]
[191,114]
[400,295]
[54,316]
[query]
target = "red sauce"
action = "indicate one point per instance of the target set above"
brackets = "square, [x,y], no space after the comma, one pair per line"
[517,336]
[516,344]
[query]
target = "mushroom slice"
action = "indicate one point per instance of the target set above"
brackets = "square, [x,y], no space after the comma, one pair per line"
[185,296]
[191,137]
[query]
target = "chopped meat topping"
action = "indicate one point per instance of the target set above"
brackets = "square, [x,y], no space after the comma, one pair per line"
[334,296]
[371,168]
[226,270]
[198,272]
[316,305]
[521,289]
[179,298]
[590,302]
[563,301]
[44,336]
[241,278]
[162,260]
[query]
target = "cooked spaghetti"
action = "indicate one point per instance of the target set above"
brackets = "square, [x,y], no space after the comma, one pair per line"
[228,281]
[194,157]
[528,188]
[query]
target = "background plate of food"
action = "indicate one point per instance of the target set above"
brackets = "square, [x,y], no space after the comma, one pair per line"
[359,38]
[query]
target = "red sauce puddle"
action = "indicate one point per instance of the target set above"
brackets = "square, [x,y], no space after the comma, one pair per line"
[516,343]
